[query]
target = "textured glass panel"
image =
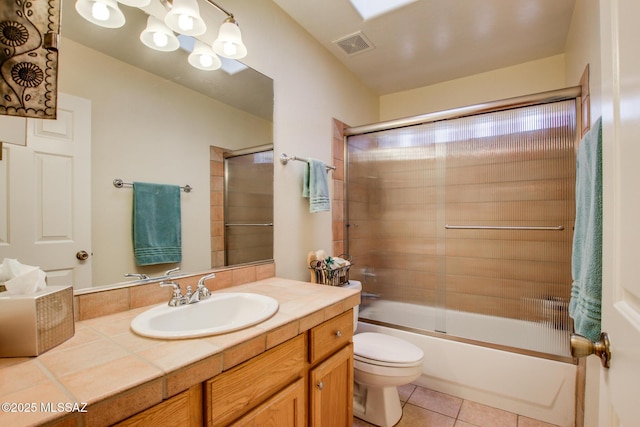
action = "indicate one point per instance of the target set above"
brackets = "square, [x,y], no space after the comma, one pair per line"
[512,168]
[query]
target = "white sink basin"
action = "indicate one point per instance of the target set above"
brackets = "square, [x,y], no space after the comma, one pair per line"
[218,314]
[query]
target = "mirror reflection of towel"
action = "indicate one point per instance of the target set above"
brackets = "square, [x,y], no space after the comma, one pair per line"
[156,223]
[316,187]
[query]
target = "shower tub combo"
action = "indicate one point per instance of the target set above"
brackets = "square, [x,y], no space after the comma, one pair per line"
[536,387]
[462,229]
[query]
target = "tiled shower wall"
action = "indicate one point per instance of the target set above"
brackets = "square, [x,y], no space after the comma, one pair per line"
[338,196]
[217,206]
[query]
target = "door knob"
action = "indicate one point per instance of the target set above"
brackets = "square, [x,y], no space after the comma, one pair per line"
[82,255]
[582,347]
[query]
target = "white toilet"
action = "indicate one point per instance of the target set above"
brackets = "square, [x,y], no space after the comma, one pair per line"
[381,364]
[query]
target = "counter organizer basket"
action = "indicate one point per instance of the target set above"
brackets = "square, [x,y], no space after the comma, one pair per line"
[325,272]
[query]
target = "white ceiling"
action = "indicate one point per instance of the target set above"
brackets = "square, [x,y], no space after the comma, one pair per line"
[431,41]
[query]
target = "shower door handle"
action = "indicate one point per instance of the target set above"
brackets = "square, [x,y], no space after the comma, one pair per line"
[582,347]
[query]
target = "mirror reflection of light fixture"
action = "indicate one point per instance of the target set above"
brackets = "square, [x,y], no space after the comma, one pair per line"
[104,13]
[157,36]
[229,42]
[184,18]
[135,3]
[203,57]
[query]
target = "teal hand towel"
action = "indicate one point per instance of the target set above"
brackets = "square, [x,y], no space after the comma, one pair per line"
[316,187]
[156,223]
[586,261]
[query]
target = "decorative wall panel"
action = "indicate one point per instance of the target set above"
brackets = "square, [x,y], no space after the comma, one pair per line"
[29,57]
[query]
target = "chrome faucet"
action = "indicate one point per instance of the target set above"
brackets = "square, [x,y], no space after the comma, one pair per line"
[177,298]
[137,275]
[202,291]
[173,270]
[190,297]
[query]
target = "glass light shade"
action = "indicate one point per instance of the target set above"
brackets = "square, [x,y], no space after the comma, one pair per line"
[157,36]
[104,13]
[184,18]
[135,3]
[229,42]
[203,57]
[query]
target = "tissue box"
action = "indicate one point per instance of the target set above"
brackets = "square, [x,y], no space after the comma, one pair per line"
[32,324]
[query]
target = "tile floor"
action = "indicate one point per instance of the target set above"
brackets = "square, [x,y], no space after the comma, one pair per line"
[424,407]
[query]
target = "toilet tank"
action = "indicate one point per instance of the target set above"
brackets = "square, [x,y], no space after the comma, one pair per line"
[354,284]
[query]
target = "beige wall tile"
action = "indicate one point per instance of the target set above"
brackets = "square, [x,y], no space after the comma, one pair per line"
[103,303]
[243,275]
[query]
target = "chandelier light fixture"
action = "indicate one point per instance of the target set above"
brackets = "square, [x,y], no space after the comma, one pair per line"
[203,57]
[104,13]
[182,17]
[158,36]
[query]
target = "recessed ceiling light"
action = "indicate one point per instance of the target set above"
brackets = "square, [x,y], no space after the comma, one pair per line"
[371,8]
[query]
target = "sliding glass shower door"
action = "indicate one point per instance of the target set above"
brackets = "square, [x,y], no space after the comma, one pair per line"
[465,225]
[248,207]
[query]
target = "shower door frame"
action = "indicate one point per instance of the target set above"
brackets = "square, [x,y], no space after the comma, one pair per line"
[558,95]
[229,155]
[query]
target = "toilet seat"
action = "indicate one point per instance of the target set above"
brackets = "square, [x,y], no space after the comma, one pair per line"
[386,350]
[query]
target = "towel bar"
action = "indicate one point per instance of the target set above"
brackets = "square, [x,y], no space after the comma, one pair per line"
[284,159]
[118,183]
[497,227]
[269,224]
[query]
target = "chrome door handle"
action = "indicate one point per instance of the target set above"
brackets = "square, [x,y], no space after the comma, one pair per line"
[582,347]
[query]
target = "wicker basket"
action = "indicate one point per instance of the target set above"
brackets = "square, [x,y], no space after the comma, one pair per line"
[325,275]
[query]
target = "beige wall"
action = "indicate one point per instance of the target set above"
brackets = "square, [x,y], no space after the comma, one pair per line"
[523,79]
[582,48]
[311,88]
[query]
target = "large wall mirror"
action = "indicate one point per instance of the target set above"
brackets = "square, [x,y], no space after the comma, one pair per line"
[154,118]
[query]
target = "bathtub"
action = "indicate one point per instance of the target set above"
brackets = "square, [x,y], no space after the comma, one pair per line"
[536,387]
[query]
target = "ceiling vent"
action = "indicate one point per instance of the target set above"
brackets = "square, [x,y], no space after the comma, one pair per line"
[354,43]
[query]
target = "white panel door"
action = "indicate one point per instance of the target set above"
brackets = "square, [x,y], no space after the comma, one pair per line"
[619,401]
[46,217]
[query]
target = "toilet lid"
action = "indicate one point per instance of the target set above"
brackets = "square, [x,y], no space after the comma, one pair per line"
[385,348]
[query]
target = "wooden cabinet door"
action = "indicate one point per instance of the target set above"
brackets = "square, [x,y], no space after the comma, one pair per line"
[184,409]
[234,393]
[285,409]
[331,390]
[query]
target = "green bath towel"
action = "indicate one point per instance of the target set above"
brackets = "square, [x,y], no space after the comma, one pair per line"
[316,187]
[586,262]
[156,223]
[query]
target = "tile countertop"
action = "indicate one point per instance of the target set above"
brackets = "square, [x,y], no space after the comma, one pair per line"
[106,372]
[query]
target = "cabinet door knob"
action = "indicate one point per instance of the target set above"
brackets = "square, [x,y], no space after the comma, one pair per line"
[320,385]
[338,333]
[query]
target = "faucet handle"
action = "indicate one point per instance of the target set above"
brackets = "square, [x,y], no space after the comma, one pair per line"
[171,271]
[176,287]
[140,276]
[205,278]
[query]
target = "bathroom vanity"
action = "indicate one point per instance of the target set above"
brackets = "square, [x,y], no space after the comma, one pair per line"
[294,369]
[271,389]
